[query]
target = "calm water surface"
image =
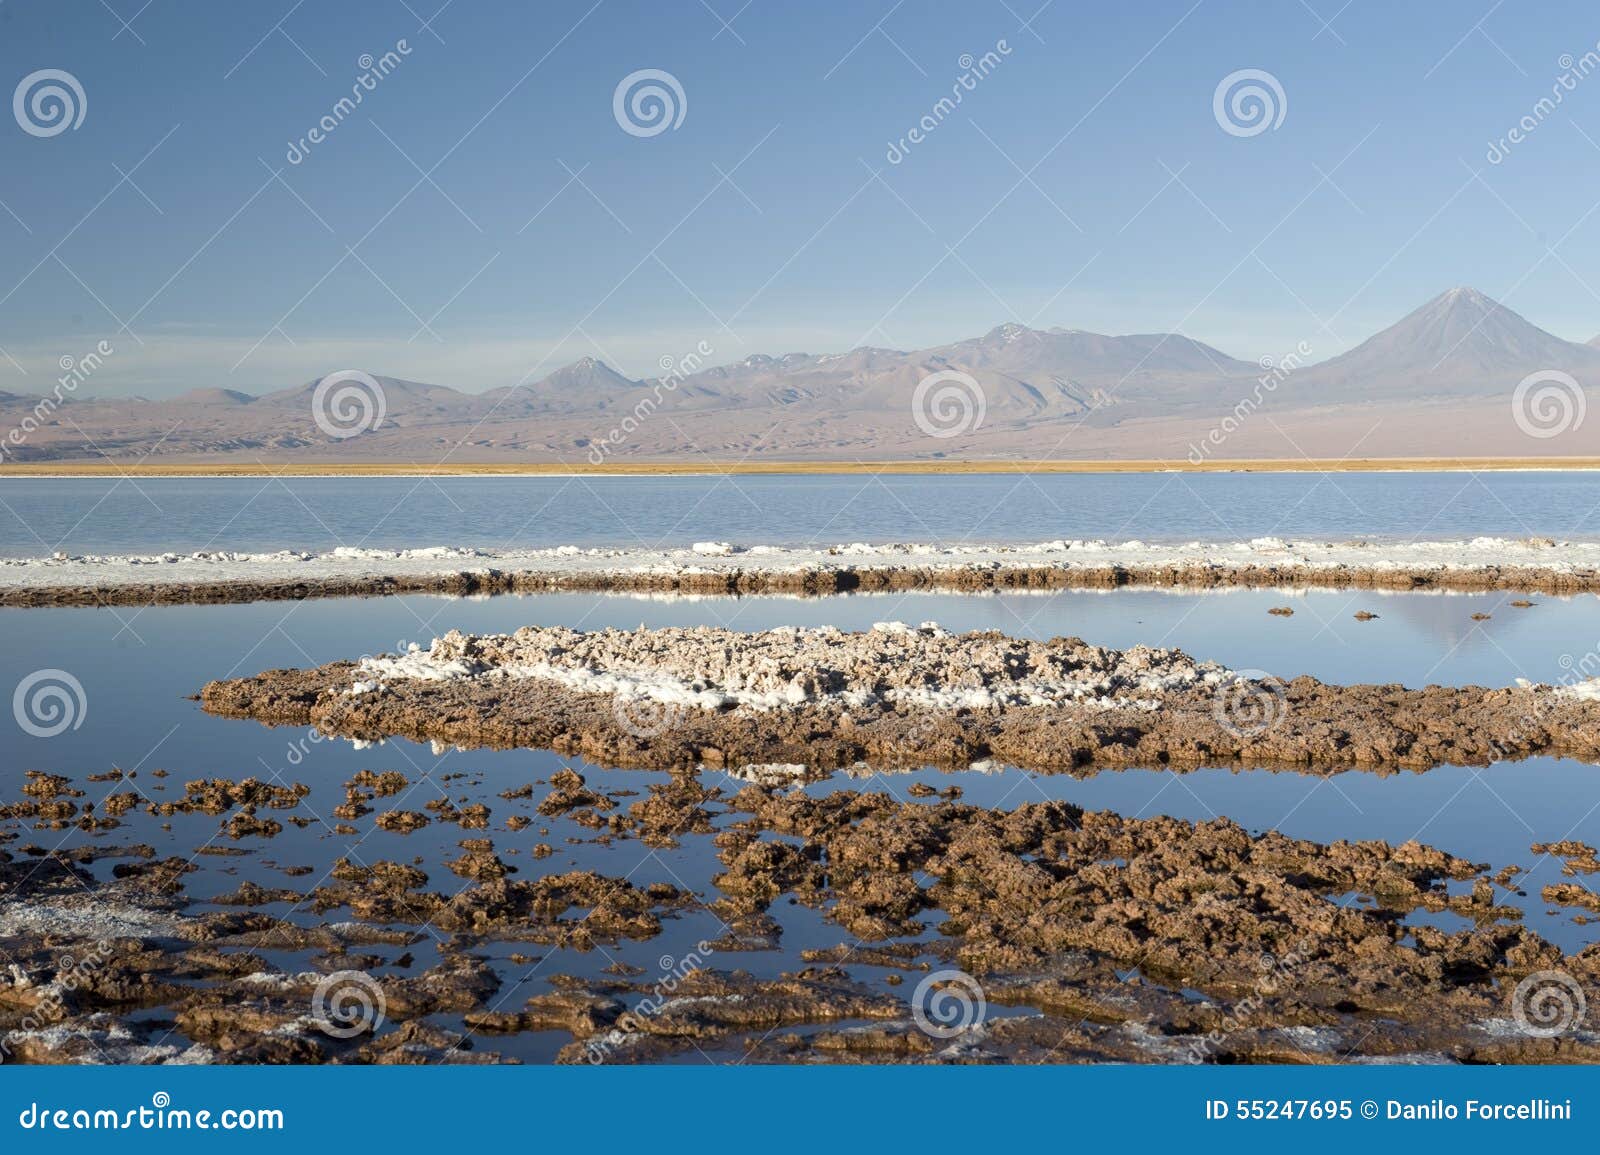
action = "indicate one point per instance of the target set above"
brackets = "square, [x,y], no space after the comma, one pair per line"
[99,515]
[138,667]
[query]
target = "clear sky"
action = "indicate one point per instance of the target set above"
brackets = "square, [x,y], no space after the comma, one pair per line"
[482,216]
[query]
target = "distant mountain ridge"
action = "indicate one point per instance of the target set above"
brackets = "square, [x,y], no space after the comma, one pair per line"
[1038,387]
[1460,343]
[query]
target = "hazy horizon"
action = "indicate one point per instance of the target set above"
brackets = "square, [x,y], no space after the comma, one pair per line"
[1303,357]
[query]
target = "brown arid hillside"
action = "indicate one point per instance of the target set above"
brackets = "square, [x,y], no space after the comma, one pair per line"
[1460,376]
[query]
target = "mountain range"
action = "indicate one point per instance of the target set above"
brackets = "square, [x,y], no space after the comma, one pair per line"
[1438,382]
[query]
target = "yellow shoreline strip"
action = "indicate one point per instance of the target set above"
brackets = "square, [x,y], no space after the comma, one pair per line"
[755,468]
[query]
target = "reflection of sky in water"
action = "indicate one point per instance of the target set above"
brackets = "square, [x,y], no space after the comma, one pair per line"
[111,515]
[138,667]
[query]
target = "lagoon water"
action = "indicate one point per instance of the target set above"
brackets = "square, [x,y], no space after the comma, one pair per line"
[138,667]
[122,515]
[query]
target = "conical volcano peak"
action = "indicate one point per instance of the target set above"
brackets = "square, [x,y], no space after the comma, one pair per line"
[1460,342]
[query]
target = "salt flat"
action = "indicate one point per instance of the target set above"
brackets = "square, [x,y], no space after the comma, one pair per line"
[1484,562]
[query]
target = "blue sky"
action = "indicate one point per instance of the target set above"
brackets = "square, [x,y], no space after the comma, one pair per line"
[1084,181]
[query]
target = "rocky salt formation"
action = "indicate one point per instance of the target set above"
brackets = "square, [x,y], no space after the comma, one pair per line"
[1063,935]
[722,568]
[1084,936]
[86,957]
[897,696]
[705,668]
